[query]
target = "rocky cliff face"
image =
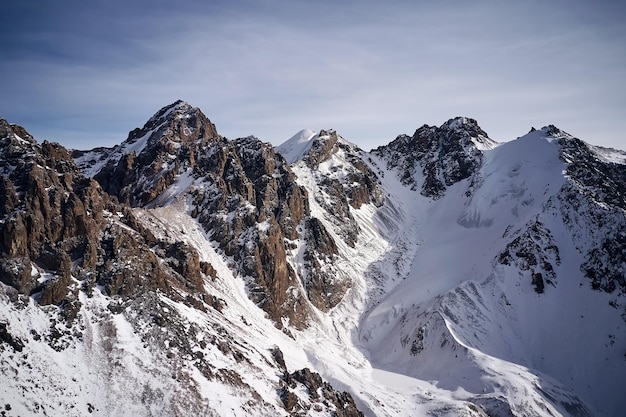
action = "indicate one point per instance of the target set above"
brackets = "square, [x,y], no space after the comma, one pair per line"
[62,232]
[247,199]
[51,216]
[595,198]
[435,158]
[149,161]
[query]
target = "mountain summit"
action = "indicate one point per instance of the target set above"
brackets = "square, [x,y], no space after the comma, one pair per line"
[297,146]
[184,273]
[146,163]
[445,155]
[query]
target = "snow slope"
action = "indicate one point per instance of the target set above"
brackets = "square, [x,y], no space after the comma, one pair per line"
[297,146]
[456,297]
[432,302]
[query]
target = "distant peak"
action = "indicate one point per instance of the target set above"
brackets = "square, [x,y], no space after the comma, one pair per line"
[552,130]
[304,135]
[177,106]
[294,148]
[459,122]
[459,127]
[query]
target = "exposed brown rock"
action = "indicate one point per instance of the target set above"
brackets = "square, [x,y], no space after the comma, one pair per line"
[8,196]
[16,272]
[321,393]
[174,135]
[56,223]
[324,287]
[253,205]
[129,266]
[186,262]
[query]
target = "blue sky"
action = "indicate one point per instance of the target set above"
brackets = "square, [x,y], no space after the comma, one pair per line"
[86,73]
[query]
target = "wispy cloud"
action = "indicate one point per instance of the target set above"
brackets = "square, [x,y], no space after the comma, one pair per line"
[85,76]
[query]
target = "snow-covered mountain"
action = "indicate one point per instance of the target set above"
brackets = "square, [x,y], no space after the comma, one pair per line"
[183,273]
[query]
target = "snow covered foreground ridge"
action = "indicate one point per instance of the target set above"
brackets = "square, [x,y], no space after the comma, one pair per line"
[182,273]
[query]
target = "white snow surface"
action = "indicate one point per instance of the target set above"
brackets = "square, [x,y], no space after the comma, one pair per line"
[297,146]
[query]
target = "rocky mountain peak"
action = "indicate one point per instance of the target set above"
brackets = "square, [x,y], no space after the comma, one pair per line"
[553,131]
[178,107]
[462,123]
[435,158]
[18,147]
[14,132]
[150,159]
[466,128]
[178,122]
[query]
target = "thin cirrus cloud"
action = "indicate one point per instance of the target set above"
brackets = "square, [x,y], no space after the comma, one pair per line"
[85,76]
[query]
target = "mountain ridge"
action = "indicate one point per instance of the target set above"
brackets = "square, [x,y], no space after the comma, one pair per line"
[442,256]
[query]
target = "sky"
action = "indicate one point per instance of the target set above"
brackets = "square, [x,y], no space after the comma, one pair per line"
[85,73]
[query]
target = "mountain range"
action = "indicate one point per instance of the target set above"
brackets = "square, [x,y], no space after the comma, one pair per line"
[183,273]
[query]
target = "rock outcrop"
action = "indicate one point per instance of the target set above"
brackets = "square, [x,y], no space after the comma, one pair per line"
[248,201]
[534,251]
[435,158]
[150,160]
[593,204]
[58,225]
[320,396]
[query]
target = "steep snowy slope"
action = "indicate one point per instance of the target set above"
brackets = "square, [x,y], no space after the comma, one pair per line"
[297,146]
[479,285]
[443,274]
[495,300]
